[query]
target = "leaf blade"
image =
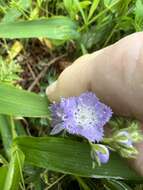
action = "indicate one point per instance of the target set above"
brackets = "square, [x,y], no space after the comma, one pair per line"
[18,102]
[93,8]
[3,173]
[6,134]
[68,156]
[14,172]
[58,28]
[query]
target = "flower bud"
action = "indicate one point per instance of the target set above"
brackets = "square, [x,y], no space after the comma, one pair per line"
[123,138]
[129,153]
[100,153]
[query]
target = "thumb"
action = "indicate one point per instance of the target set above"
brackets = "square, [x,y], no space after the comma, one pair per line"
[51,90]
[74,80]
[114,73]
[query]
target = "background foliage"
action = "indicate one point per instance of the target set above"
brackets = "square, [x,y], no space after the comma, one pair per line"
[38,39]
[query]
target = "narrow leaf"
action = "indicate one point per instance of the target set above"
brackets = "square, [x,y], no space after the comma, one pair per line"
[116,185]
[13,12]
[71,157]
[6,134]
[19,102]
[77,3]
[3,173]
[14,173]
[58,28]
[93,8]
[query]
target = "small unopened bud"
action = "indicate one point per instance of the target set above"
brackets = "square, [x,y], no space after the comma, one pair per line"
[129,152]
[136,136]
[100,153]
[123,138]
[135,132]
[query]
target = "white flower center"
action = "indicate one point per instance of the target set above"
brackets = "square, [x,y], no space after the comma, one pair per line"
[85,116]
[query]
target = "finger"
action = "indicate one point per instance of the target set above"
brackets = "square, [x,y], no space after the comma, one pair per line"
[117,76]
[73,80]
[113,73]
[137,163]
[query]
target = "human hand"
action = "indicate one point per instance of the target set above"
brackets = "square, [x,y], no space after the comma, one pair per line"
[114,74]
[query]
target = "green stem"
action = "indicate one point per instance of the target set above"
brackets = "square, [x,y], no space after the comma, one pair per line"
[14,134]
[107,140]
[111,34]
[55,182]
[6,134]
[99,15]
[82,183]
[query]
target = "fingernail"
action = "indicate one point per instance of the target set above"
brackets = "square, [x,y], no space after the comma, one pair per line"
[50,89]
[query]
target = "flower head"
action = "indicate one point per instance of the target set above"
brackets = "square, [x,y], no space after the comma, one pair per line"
[84,115]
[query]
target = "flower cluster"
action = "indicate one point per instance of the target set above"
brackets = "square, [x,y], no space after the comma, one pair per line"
[85,116]
[123,140]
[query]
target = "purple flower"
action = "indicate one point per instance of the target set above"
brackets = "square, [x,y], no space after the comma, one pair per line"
[84,115]
[103,157]
[100,153]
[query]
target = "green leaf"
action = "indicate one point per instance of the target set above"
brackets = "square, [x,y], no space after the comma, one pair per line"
[6,134]
[68,4]
[59,28]
[17,102]
[3,173]
[74,6]
[93,8]
[116,185]
[14,173]
[77,3]
[82,183]
[10,176]
[71,157]
[9,71]
[84,4]
[139,15]
[109,3]
[138,9]
[15,10]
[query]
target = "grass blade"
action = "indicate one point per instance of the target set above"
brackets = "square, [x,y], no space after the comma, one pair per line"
[6,134]
[18,102]
[93,8]
[116,185]
[58,28]
[14,173]
[3,173]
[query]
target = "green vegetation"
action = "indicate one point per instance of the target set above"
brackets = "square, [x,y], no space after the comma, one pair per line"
[34,36]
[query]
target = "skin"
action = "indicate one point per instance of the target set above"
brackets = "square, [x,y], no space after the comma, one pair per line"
[115,74]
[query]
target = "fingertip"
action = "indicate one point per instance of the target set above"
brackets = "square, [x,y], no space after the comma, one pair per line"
[51,90]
